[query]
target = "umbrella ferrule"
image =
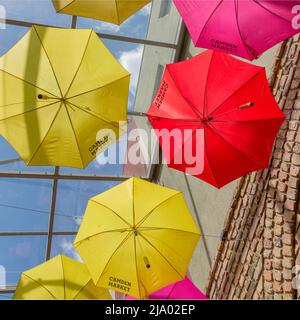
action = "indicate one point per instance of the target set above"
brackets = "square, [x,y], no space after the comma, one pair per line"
[246,105]
[204,120]
[147,263]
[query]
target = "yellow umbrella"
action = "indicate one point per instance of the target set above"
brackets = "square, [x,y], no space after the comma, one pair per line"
[113,11]
[60,278]
[58,88]
[137,238]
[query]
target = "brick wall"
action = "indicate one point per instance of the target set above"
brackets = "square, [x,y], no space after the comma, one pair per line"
[261,238]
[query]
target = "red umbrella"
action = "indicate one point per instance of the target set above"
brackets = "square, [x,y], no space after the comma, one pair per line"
[227,100]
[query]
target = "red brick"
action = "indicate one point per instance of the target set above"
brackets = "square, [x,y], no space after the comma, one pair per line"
[292,194]
[268,244]
[296,159]
[288,239]
[287,286]
[277,253]
[290,204]
[288,262]
[295,170]
[277,274]
[268,264]
[288,251]
[282,187]
[268,275]
[287,274]
[277,287]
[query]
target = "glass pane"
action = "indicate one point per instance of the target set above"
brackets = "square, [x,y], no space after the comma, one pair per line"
[10,161]
[9,36]
[6,296]
[135,26]
[151,71]
[36,11]
[18,254]
[64,245]
[71,201]
[24,204]
[165,22]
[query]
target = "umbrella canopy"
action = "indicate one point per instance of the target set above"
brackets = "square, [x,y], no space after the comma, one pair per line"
[113,11]
[244,28]
[230,103]
[60,278]
[181,290]
[58,89]
[137,237]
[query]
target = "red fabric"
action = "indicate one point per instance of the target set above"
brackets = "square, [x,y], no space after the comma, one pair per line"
[213,86]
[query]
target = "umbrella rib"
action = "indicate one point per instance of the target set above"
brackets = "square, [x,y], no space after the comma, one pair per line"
[102,86]
[205,107]
[31,84]
[238,89]
[112,211]
[171,229]
[65,6]
[239,30]
[252,120]
[117,11]
[114,252]
[73,298]
[46,53]
[28,111]
[207,21]
[40,284]
[84,53]
[38,148]
[102,232]
[111,123]
[136,267]
[216,131]
[273,13]
[68,113]
[153,246]
[63,271]
[133,208]
[151,211]
[197,112]
[207,157]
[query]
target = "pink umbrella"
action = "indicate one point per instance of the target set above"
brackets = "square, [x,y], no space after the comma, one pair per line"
[245,28]
[184,289]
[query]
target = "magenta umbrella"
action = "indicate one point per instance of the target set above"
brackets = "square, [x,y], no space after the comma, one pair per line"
[184,290]
[245,28]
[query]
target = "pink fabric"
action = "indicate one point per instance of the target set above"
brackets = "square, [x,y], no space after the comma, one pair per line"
[245,28]
[184,290]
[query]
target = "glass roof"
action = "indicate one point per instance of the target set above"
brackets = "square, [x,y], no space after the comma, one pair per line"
[41,207]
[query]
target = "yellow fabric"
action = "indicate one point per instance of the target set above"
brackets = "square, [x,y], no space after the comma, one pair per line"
[84,89]
[59,278]
[131,225]
[113,11]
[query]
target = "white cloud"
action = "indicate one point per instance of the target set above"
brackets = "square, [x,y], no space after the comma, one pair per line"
[68,249]
[106,27]
[131,60]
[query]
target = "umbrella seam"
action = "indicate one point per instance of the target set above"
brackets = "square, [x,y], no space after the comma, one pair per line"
[273,13]
[136,267]
[117,11]
[82,288]
[36,281]
[168,262]
[114,252]
[27,82]
[59,11]
[205,104]
[184,98]
[133,207]
[261,69]
[112,123]
[80,63]
[207,21]
[28,111]
[50,63]
[105,85]
[207,157]
[81,158]
[77,243]
[157,206]
[112,211]
[172,229]
[50,127]
[239,30]
[216,131]
[252,120]
[63,271]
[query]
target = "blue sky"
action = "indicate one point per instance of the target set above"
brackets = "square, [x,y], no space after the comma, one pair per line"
[25,203]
